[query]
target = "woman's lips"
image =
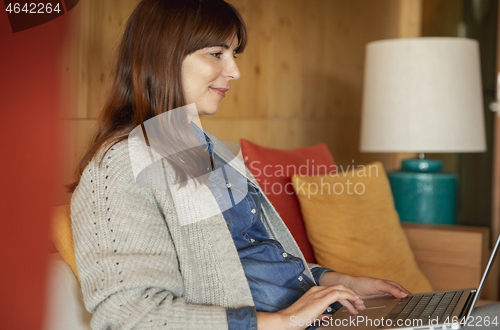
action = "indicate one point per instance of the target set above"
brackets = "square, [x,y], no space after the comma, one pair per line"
[220,91]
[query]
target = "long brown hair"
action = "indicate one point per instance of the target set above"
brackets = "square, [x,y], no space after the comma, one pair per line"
[147,79]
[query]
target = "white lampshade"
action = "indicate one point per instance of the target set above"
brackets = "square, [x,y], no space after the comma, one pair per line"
[423,95]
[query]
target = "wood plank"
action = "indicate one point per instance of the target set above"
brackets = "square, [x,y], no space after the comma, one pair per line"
[409,26]
[306,60]
[410,18]
[452,257]
[495,196]
[442,18]
[72,89]
[77,134]
[289,133]
[91,50]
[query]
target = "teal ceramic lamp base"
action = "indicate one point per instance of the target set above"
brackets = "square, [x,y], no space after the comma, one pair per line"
[423,193]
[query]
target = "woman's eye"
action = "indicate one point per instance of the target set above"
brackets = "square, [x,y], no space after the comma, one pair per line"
[218,55]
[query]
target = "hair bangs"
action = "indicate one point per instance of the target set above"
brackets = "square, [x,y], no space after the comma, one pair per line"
[216,24]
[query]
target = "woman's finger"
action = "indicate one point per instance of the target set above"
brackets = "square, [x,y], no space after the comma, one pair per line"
[350,300]
[399,286]
[347,304]
[359,305]
[312,304]
[339,287]
[328,295]
[385,287]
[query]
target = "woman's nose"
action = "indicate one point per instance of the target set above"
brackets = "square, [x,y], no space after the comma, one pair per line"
[232,69]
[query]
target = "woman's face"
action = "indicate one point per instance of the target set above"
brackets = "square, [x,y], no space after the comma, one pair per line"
[206,75]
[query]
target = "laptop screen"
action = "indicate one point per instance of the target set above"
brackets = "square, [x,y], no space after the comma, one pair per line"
[485,274]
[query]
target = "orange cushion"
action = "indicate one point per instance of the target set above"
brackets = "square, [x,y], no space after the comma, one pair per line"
[274,168]
[354,228]
[62,236]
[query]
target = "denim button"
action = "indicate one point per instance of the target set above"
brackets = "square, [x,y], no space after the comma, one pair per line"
[284,254]
[253,211]
[300,278]
[252,240]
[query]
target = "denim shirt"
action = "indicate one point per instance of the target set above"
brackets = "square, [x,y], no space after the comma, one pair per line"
[276,278]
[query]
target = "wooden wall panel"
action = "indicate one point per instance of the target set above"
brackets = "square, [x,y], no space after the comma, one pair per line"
[306,60]
[302,71]
[449,13]
[495,207]
[87,65]
[79,133]
[410,18]
[102,24]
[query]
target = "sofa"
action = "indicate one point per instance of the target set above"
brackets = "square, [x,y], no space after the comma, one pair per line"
[442,252]
[449,257]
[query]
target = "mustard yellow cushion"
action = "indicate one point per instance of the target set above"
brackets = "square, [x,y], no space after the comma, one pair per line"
[354,228]
[62,236]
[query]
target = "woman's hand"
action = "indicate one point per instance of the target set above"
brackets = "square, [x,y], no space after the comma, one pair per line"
[310,307]
[365,287]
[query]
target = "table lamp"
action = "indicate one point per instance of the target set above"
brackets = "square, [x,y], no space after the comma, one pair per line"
[423,95]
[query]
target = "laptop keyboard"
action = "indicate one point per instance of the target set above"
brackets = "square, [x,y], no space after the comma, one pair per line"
[425,307]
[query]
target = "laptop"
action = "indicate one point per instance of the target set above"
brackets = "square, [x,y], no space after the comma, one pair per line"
[449,309]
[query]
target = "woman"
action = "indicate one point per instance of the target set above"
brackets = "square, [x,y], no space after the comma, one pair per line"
[148,256]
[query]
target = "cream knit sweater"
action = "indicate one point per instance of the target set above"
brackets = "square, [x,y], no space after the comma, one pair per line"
[140,267]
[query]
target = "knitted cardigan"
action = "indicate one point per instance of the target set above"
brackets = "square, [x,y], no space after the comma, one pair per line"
[141,266]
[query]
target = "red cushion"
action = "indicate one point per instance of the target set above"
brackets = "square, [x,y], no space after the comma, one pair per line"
[274,168]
